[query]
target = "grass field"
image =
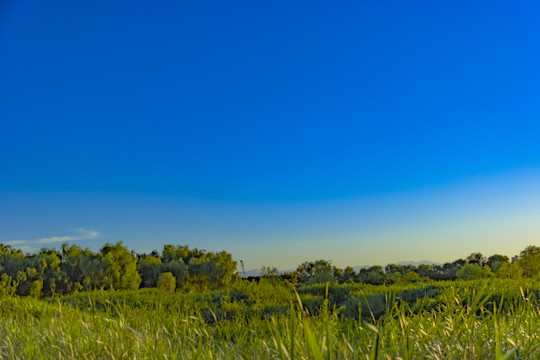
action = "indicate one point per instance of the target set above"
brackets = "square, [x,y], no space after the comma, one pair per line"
[488,319]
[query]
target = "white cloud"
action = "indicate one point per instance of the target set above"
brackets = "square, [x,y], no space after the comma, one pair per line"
[16,242]
[26,248]
[81,234]
[84,234]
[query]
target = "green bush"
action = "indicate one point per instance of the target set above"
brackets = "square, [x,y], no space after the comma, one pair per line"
[167,281]
[36,288]
[8,287]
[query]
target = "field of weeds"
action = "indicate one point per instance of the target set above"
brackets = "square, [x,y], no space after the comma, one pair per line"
[489,319]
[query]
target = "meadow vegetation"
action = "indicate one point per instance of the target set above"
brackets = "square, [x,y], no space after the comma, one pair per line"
[191,304]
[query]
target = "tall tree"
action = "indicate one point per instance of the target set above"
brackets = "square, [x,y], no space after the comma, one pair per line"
[121,267]
[529,260]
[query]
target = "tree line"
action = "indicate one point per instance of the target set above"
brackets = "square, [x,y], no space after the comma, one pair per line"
[72,269]
[475,266]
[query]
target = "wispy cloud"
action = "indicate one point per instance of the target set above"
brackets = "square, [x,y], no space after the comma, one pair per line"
[26,248]
[81,234]
[16,242]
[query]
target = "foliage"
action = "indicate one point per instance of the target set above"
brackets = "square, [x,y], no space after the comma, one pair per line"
[481,319]
[8,286]
[36,288]
[166,281]
[473,271]
[529,260]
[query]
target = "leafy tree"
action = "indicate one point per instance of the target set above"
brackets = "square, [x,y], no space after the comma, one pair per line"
[410,277]
[268,271]
[493,260]
[393,277]
[227,268]
[476,258]
[373,275]
[529,260]
[348,275]
[322,273]
[166,281]
[121,267]
[71,264]
[149,268]
[93,270]
[510,271]
[8,286]
[473,271]
[178,269]
[171,253]
[51,272]
[36,288]
[304,271]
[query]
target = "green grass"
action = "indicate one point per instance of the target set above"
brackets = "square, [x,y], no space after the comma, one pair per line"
[447,320]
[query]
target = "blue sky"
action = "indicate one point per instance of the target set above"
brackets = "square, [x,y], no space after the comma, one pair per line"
[361,133]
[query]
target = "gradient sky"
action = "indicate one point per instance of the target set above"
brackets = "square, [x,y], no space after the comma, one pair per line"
[362,133]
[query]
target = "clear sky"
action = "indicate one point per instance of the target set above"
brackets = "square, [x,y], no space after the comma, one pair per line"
[359,132]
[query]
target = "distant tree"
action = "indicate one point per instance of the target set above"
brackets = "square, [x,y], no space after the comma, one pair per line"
[171,252]
[8,287]
[510,271]
[473,271]
[393,277]
[373,275]
[476,258]
[71,258]
[497,260]
[36,288]
[400,269]
[410,277]
[166,281]
[304,271]
[51,272]
[322,273]
[348,275]
[227,268]
[424,270]
[93,270]
[121,267]
[178,269]
[529,261]
[149,269]
[268,271]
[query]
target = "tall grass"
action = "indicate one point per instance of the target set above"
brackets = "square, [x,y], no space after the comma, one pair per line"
[464,320]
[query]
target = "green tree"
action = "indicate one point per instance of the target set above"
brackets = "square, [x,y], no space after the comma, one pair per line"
[71,265]
[323,272]
[476,258]
[373,275]
[178,269]
[510,271]
[348,275]
[36,288]
[473,271]
[227,268]
[268,271]
[529,260]
[495,261]
[410,277]
[149,268]
[121,267]
[166,281]
[93,270]
[8,287]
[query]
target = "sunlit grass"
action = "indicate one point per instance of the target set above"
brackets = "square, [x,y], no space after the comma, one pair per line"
[467,320]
